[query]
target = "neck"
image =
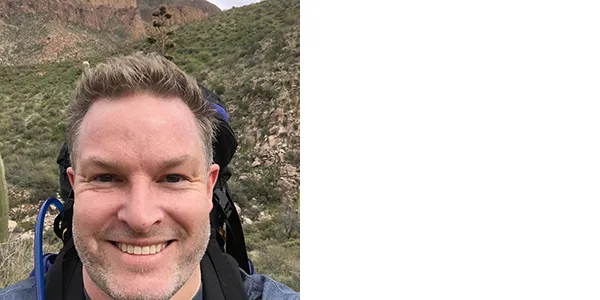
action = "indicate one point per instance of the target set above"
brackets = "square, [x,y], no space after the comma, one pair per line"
[190,288]
[187,291]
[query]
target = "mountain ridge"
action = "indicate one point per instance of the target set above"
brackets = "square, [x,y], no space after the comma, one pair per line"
[44,30]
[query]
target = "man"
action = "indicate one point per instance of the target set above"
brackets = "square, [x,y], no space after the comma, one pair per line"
[141,135]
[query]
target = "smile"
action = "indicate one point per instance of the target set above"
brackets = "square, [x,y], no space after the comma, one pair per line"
[141,250]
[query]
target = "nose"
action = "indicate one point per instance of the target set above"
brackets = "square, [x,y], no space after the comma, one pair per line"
[142,208]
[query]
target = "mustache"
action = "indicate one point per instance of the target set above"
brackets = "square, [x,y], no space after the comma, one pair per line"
[122,231]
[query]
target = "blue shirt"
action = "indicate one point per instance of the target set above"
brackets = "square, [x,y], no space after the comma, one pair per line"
[256,287]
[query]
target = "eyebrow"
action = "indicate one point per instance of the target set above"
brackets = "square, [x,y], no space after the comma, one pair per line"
[176,161]
[96,161]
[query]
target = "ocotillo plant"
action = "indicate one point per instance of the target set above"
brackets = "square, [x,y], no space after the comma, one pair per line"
[3,204]
[162,41]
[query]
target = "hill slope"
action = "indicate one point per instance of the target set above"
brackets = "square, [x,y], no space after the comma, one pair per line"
[250,56]
[204,7]
[45,31]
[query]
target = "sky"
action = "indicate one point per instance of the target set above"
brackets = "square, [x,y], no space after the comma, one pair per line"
[227,4]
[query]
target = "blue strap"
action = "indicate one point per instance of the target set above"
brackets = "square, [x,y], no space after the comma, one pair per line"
[38,257]
[48,261]
[221,111]
[251,268]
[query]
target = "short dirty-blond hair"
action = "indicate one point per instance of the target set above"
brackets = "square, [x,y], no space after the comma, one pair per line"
[136,74]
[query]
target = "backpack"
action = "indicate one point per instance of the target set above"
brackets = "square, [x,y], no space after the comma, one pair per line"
[227,236]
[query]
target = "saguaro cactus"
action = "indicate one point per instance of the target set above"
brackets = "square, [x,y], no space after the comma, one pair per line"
[3,204]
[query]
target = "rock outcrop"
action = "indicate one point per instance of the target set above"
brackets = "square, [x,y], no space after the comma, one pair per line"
[52,30]
[183,11]
[111,15]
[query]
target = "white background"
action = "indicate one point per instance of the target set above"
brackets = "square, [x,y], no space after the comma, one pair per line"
[450,150]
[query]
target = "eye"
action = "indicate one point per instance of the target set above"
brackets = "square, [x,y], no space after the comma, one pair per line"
[173,178]
[104,178]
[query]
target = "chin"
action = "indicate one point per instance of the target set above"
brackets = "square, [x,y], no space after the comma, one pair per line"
[141,286]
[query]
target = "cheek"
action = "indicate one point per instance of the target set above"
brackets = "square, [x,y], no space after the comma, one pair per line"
[191,213]
[91,211]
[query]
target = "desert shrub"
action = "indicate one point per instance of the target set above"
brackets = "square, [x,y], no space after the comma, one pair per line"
[279,262]
[16,257]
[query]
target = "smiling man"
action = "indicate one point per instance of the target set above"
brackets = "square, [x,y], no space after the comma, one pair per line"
[144,194]
[141,134]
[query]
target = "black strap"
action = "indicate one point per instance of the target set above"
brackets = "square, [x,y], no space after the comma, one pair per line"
[64,280]
[64,162]
[236,245]
[224,212]
[64,221]
[221,278]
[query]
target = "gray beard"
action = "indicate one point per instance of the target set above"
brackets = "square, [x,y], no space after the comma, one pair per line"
[99,272]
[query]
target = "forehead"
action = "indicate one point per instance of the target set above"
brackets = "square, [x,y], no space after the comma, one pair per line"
[139,129]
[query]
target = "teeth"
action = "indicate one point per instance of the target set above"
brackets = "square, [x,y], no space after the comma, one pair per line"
[139,250]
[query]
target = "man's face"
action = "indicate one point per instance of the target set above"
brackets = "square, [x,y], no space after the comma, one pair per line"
[142,196]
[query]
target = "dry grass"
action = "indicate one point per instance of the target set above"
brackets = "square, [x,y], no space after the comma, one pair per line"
[281,262]
[16,257]
[16,261]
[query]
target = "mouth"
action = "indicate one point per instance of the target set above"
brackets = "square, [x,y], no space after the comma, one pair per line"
[142,250]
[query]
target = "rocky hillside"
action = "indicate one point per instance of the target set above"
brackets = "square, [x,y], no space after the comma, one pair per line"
[248,55]
[45,30]
[93,14]
[183,11]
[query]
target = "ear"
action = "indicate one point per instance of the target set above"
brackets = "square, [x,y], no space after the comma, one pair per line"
[71,175]
[211,180]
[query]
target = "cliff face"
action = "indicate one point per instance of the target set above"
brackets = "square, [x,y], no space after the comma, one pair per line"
[181,14]
[100,15]
[188,10]
[32,31]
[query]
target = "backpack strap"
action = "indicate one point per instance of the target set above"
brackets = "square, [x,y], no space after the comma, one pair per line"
[236,244]
[224,212]
[63,221]
[221,277]
[63,161]
[64,280]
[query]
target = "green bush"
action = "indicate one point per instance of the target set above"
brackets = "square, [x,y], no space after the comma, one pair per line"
[279,262]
